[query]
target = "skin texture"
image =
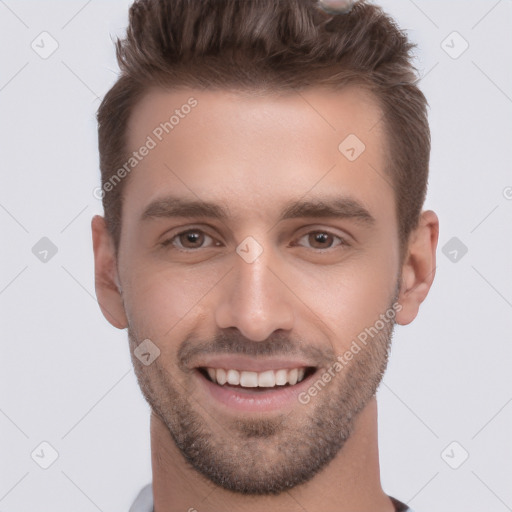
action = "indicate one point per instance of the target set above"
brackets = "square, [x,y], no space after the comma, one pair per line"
[311,297]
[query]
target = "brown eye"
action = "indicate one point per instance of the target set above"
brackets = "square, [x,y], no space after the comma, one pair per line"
[320,240]
[190,240]
[323,240]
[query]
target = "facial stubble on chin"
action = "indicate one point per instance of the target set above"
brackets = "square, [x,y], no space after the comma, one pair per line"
[266,456]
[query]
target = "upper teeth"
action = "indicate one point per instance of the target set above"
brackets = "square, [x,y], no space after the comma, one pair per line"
[266,379]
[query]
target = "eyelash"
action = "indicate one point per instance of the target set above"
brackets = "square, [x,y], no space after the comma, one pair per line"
[170,241]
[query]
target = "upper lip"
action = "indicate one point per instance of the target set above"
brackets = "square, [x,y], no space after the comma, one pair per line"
[250,364]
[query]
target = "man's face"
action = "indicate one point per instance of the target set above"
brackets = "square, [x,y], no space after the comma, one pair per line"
[303,260]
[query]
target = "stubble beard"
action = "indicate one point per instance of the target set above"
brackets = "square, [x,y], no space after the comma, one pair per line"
[267,456]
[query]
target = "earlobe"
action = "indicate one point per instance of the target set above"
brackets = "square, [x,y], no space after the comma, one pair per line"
[107,284]
[418,269]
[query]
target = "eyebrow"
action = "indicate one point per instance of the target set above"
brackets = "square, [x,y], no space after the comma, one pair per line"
[343,207]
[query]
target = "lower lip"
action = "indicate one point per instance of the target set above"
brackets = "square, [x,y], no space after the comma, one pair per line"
[247,400]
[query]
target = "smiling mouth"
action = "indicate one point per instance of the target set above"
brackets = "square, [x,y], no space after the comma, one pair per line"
[257,381]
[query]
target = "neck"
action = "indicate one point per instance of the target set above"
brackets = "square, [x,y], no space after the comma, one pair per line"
[351,481]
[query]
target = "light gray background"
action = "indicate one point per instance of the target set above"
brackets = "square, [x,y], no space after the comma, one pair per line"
[65,374]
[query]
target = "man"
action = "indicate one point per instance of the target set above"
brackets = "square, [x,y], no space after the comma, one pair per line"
[264,167]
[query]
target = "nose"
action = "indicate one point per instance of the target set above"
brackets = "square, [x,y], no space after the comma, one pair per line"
[256,298]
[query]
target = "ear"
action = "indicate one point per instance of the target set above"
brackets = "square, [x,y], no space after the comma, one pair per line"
[419,267]
[108,287]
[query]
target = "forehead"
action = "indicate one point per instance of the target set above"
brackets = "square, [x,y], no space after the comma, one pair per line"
[331,112]
[257,148]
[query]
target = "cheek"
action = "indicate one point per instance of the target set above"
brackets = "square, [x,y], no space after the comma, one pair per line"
[160,300]
[351,297]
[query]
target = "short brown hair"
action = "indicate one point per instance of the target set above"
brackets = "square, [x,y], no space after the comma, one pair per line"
[270,45]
